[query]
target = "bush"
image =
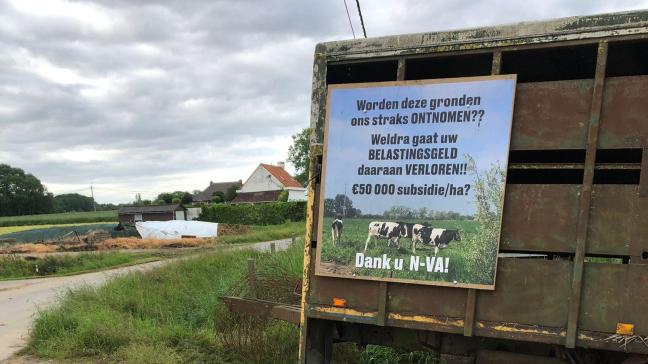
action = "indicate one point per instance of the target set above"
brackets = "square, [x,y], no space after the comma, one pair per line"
[272,213]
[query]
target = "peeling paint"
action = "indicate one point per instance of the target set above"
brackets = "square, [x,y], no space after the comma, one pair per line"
[343,311]
[426,319]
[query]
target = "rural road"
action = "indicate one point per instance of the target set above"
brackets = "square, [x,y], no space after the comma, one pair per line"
[21,299]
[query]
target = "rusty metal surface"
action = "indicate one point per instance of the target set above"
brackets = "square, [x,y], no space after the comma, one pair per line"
[623,119]
[643,178]
[528,291]
[471,302]
[586,196]
[532,298]
[432,300]
[565,29]
[551,115]
[603,299]
[540,218]
[361,295]
[617,221]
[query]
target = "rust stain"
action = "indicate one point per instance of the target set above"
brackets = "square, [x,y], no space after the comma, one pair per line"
[526,330]
[426,319]
[343,311]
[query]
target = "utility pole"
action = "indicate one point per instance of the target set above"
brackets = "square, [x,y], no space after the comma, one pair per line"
[94,204]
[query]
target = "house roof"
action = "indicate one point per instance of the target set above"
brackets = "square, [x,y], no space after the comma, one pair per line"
[149,209]
[252,197]
[206,195]
[284,177]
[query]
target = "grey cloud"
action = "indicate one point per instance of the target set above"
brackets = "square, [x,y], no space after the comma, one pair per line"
[167,89]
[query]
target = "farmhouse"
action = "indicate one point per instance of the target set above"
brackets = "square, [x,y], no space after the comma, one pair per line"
[133,214]
[205,196]
[266,183]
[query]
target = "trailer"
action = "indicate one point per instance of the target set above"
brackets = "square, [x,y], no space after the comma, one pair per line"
[572,265]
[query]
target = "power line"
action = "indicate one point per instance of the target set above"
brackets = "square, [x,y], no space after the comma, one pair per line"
[361,21]
[349,17]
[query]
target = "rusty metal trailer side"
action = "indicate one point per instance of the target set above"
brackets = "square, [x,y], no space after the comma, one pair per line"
[576,191]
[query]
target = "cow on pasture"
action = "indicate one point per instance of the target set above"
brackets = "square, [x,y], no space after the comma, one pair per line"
[392,231]
[417,233]
[440,238]
[336,231]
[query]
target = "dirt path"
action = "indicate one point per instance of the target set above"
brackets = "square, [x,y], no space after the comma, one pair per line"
[21,299]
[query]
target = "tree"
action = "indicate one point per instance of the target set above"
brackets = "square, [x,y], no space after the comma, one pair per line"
[171,197]
[217,197]
[230,193]
[340,206]
[164,197]
[22,194]
[399,212]
[283,196]
[299,155]
[73,202]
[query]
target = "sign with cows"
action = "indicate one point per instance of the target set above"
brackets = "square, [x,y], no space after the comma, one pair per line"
[413,180]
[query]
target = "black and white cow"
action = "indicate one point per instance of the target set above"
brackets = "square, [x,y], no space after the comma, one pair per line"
[392,231]
[440,238]
[417,233]
[336,231]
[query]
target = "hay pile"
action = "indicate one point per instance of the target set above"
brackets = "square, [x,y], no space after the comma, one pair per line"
[232,229]
[137,243]
[29,248]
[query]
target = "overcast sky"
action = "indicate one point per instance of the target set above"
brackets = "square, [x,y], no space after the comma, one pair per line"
[152,96]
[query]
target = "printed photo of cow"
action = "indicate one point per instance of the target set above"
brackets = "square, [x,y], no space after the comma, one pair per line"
[416,233]
[336,231]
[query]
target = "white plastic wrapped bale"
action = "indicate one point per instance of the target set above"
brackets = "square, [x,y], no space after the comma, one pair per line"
[176,229]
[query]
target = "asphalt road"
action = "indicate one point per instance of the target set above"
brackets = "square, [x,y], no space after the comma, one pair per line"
[21,299]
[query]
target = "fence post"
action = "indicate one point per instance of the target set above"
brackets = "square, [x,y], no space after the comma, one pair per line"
[252,277]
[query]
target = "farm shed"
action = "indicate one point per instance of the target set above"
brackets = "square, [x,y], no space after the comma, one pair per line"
[266,183]
[132,214]
[205,196]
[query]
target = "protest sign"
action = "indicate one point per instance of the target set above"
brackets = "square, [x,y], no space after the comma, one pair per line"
[413,180]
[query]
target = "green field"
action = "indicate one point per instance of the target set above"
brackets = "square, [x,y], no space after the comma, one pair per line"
[12,267]
[62,218]
[469,260]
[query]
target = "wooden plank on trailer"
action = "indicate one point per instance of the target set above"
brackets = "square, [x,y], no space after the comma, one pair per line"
[540,218]
[551,115]
[586,196]
[623,117]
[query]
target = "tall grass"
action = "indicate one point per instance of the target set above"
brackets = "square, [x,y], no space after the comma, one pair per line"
[173,315]
[173,312]
[61,218]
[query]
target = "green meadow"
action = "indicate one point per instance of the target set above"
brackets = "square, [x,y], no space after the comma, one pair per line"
[470,260]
